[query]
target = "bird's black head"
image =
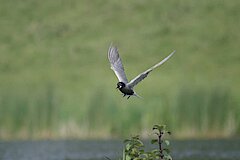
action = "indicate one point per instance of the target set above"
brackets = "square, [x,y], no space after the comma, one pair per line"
[120,85]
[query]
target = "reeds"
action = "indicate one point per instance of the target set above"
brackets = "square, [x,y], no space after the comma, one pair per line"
[192,112]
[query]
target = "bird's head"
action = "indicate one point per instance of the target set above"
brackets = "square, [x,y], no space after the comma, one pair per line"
[120,85]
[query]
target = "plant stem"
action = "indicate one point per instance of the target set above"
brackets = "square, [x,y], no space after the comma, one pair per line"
[160,144]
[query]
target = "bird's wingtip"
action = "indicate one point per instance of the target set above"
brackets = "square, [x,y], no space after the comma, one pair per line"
[173,51]
[136,95]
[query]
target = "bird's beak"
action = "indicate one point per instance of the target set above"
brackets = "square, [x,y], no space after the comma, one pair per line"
[117,87]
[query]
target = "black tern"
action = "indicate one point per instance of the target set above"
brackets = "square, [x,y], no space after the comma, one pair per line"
[123,85]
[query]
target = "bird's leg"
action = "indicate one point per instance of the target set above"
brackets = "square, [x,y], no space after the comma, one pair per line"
[128,97]
[124,95]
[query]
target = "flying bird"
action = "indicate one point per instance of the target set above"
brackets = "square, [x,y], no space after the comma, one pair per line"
[123,85]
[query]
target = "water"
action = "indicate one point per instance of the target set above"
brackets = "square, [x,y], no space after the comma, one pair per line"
[99,149]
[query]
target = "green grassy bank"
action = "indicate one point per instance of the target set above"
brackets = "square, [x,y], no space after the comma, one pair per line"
[55,79]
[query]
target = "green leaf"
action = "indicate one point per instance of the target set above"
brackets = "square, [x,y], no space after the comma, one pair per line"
[155,151]
[156,127]
[137,158]
[128,146]
[162,127]
[166,150]
[140,143]
[123,155]
[167,142]
[156,133]
[167,157]
[159,127]
[135,137]
[126,140]
[153,141]
[128,157]
[145,154]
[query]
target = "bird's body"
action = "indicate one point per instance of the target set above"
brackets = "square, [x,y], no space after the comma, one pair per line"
[125,89]
[123,85]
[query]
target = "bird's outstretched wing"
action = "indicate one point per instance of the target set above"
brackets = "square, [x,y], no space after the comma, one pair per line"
[116,64]
[143,75]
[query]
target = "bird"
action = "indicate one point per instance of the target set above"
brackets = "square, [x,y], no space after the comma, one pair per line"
[125,86]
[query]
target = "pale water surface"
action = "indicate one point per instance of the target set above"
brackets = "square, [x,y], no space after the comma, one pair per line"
[99,149]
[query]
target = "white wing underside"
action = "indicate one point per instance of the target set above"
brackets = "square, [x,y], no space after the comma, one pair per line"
[143,75]
[116,64]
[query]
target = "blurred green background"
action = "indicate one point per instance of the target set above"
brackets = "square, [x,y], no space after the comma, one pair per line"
[56,81]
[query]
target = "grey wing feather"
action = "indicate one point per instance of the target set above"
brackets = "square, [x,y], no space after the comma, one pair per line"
[143,75]
[116,64]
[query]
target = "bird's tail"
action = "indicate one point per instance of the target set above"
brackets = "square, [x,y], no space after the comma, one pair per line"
[135,94]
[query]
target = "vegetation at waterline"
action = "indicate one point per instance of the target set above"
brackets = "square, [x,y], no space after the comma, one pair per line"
[56,82]
[134,149]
